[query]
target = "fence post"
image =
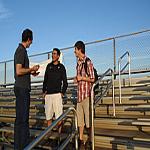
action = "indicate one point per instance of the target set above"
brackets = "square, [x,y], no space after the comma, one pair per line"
[114,47]
[5,73]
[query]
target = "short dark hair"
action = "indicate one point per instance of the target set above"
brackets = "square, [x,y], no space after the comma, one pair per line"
[80,45]
[57,50]
[27,34]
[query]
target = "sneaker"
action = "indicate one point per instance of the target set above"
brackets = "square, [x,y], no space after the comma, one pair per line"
[88,145]
[81,145]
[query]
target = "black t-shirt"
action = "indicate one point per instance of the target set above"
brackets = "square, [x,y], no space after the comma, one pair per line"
[55,79]
[21,57]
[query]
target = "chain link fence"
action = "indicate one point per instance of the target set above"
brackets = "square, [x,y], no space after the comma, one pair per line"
[103,53]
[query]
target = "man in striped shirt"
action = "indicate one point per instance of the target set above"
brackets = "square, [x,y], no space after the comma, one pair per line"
[84,79]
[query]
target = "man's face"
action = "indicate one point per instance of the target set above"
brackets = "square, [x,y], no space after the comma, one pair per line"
[29,42]
[76,52]
[55,56]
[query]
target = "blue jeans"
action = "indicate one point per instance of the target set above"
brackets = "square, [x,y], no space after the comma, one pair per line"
[21,130]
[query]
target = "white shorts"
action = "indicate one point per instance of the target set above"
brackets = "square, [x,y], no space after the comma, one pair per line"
[53,104]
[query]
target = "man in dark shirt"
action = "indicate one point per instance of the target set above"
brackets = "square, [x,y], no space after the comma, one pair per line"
[22,88]
[54,87]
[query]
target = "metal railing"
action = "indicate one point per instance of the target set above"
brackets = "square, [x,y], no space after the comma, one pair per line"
[121,70]
[108,72]
[48,129]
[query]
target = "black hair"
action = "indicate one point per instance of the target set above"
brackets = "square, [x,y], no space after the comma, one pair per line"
[80,45]
[27,34]
[58,51]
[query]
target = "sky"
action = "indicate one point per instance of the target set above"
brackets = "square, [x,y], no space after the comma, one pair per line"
[60,23]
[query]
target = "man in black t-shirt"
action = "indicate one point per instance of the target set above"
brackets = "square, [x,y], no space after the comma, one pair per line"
[22,89]
[54,87]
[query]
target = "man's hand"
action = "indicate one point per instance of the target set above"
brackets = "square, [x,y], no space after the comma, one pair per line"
[34,73]
[79,78]
[75,80]
[35,68]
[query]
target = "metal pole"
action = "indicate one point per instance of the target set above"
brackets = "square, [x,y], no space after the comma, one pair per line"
[76,130]
[113,96]
[92,115]
[114,47]
[5,73]
[119,67]
[129,59]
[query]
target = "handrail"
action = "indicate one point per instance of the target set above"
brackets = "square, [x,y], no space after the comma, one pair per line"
[109,71]
[121,70]
[48,129]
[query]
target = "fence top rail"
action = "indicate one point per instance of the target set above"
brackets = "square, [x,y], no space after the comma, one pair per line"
[93,42]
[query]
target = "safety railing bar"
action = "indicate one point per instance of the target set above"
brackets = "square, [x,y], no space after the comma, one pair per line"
[102,95]
[124,54]
[124,67]
[102,76]
[92,101]
[121,70]
[97,101]
[129,69]
[48,129]
[109,85]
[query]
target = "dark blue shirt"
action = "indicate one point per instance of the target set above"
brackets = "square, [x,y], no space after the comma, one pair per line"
[21,57]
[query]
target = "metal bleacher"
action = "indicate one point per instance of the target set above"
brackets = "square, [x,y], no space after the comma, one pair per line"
[117,124]
[130,127]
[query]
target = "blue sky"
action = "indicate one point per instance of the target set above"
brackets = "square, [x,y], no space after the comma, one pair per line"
[60,23]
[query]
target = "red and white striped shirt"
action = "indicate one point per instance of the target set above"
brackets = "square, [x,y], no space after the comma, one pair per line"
[84,87]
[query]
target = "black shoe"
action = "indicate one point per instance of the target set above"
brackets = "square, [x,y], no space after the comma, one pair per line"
[88,145]
[81,145]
